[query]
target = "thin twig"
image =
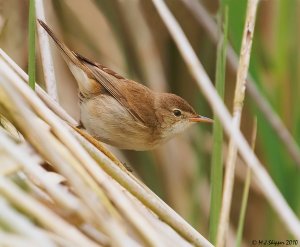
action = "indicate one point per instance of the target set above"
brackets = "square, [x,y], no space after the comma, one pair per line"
[246,190]
[267,185]
[204,19]
[47,58]
[238,104]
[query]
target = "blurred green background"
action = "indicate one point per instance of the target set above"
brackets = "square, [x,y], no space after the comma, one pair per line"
[129,37]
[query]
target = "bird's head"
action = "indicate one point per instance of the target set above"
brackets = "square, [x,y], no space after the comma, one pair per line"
[175,115]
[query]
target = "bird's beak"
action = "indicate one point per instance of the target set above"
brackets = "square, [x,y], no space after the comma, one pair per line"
[198,119]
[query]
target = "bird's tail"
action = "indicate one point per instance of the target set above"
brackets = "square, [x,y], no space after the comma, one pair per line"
[75,64]
[68,54]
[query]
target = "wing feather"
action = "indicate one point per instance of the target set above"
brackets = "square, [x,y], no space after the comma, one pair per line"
[111,83]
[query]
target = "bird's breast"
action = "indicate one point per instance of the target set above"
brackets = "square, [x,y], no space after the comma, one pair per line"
[108,121]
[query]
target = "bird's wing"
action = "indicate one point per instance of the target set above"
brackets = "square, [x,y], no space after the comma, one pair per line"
[110,80]
[107,78]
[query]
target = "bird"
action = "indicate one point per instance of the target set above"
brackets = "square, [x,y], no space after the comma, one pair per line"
[121,112]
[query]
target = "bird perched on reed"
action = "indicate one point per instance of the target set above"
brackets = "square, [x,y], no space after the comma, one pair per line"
[122,112]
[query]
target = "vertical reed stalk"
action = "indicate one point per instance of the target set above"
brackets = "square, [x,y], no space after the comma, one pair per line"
[246,191]
[31,44]
[239,97]
[47,58]
[217,154]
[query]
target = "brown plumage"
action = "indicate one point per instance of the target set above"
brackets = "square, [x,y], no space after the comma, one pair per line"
[122,112]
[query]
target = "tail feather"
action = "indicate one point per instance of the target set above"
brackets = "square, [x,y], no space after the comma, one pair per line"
[76,65]
[69,55]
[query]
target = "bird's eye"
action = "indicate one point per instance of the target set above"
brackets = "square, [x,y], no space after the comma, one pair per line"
[177,113]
